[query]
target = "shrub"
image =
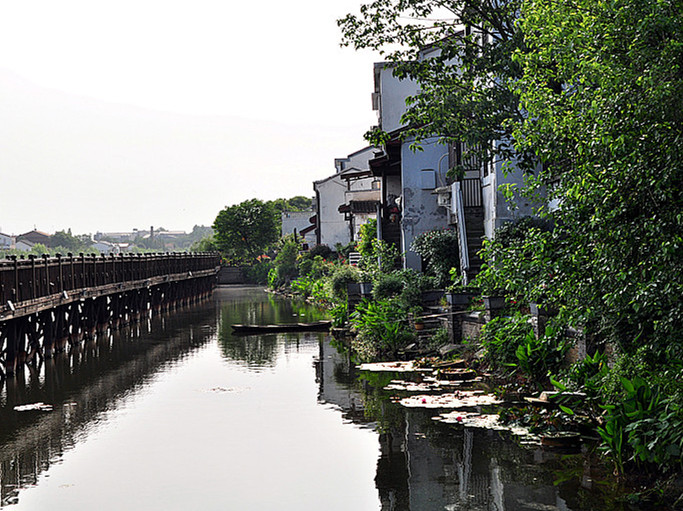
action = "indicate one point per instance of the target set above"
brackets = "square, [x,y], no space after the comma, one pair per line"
[439,251]
[366,234]
[258,273]
[381,327]
[387,285]
[510,342]
[321,250]
[285,260]
[341,276]
[643,427]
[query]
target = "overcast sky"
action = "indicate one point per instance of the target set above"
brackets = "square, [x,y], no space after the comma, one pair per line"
[126,114]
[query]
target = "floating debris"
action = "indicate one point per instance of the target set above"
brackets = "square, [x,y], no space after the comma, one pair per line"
[429,384]
[40,407]
[458,399]
[483,421]
[397,367]
[456,374]
[220,390]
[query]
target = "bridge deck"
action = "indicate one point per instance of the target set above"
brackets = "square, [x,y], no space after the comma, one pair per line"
[31,285]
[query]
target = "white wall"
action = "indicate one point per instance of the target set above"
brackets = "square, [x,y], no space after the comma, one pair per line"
[333,228]
[420,212]
[392,97]
[358,160]
[297,220]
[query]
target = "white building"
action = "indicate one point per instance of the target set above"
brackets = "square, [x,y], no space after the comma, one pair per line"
[6,241]
[24,245]
[301,223]
[346,199]
[418,197]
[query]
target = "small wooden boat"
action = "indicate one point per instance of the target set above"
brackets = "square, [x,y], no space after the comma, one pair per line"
[318,326]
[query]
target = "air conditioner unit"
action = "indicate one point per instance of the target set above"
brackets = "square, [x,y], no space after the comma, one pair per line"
[443,197]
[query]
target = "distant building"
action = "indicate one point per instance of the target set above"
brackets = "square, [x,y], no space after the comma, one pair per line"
[347,199]
[105,247]
[6,241]
[300,222]
[24,245]
[34,237]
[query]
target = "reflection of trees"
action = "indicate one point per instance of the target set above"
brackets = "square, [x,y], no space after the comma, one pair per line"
[83,384]
[253,306]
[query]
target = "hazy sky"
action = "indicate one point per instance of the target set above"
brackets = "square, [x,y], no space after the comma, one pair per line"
[115,115]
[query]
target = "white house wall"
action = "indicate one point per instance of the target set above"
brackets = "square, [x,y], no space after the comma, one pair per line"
[497,210]
[297,221]
[420,212]
[390,97]
[333,228]
[358,160]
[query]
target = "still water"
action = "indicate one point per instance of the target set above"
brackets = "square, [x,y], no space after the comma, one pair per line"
[179,413]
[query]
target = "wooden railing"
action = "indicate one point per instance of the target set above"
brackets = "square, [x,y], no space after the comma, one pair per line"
[36,277]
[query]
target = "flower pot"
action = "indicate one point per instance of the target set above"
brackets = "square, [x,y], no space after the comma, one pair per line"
[458,298]
[432,296]
[419,326]
[494,302]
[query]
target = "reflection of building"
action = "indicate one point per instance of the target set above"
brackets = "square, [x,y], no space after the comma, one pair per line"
[336,380]
[461,469]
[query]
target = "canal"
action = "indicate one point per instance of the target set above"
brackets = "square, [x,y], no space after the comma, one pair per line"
[179,413]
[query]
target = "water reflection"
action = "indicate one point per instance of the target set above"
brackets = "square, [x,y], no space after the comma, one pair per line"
[82,386]
[426,465]
[268,422]
[253,306]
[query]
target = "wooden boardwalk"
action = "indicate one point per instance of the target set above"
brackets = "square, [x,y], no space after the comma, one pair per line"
[48,303]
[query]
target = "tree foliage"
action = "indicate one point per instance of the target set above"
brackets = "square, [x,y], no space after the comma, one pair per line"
[246,230]
[603,86]
[69,242]
[297,203]
[593,91]
[469,101]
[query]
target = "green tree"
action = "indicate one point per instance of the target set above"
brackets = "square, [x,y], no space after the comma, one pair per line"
[207,244]
[468,102]
[297,203]
[68,241]
[246,230]
[603,86]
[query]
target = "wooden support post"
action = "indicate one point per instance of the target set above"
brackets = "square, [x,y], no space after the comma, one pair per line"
[49,333]
[11,347]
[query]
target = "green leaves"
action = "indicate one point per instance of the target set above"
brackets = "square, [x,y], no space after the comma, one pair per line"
[246,230]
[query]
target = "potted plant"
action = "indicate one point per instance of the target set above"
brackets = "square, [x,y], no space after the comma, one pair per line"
[494,302]
[416,316]
[458,294]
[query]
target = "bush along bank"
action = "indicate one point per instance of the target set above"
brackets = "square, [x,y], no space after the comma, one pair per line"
[612,356]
